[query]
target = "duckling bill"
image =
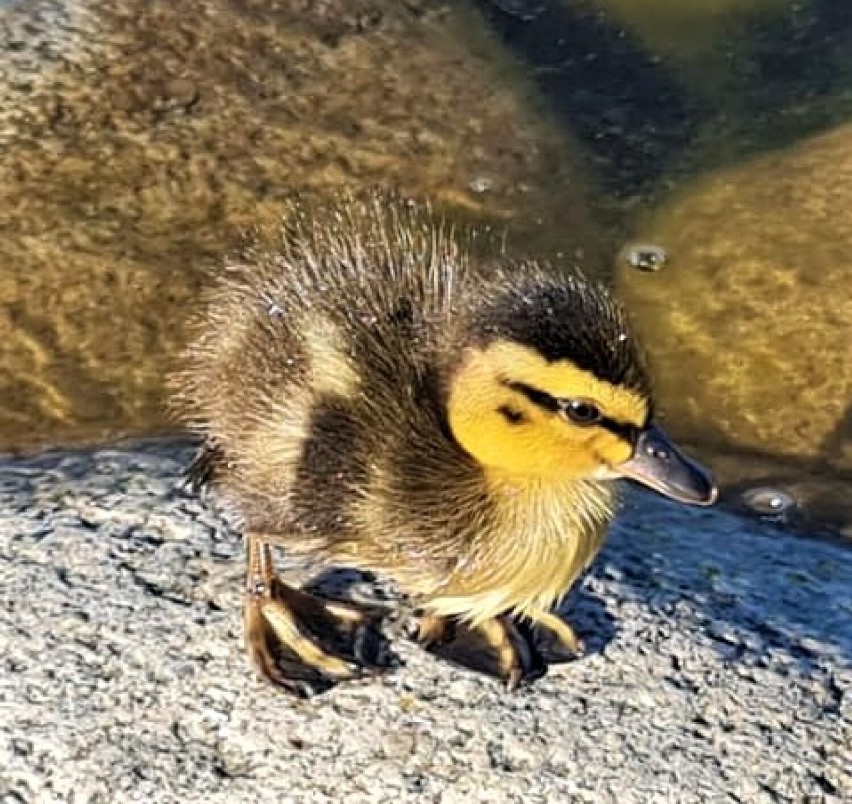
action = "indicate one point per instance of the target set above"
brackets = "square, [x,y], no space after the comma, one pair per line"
[382,395]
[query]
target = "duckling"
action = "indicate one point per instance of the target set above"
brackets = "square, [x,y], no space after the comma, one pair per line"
[381,392]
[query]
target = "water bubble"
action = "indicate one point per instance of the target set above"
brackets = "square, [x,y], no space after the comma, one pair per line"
[481,184]
[767,501]
[645,256]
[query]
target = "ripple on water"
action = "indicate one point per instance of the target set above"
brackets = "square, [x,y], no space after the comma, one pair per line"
[769,502]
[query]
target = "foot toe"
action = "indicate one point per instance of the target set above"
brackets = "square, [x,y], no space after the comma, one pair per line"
[307,648]
[556,645]
[371,649]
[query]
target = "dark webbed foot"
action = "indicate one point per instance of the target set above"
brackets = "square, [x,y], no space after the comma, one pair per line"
[515,650]
[497,647]
[302,643]
[554,638]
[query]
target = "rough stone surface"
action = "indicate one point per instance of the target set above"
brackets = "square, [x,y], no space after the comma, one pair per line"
[720,666]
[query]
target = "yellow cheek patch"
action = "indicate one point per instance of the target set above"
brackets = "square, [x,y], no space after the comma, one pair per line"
[526,447]
[612,450]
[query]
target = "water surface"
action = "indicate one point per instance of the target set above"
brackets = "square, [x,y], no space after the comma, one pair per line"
[141,142]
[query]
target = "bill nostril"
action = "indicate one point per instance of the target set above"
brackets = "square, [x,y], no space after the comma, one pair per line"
[657,452]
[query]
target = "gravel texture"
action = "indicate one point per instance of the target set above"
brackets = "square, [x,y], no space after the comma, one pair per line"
[720,666]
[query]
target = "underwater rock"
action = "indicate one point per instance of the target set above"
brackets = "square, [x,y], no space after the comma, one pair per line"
[751,324]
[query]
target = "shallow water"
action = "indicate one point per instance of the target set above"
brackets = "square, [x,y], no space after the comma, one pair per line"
[139,144]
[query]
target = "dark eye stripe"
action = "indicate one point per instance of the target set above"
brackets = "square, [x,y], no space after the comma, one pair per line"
[537,397]
[627,432]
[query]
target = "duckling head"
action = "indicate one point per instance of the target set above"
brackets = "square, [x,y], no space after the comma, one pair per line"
[551,385]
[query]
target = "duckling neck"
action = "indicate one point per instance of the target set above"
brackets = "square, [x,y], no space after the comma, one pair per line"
[554,509]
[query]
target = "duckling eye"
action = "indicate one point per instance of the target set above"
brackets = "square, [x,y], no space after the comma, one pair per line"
[581,411]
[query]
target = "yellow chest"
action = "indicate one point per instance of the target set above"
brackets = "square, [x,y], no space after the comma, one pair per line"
[545,537]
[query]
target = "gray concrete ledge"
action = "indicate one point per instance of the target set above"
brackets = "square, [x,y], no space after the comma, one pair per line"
[720,666]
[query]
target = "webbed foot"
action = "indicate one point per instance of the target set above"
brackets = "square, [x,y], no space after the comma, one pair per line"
[516,650]
[554,638]
[301,642]
[498,647]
